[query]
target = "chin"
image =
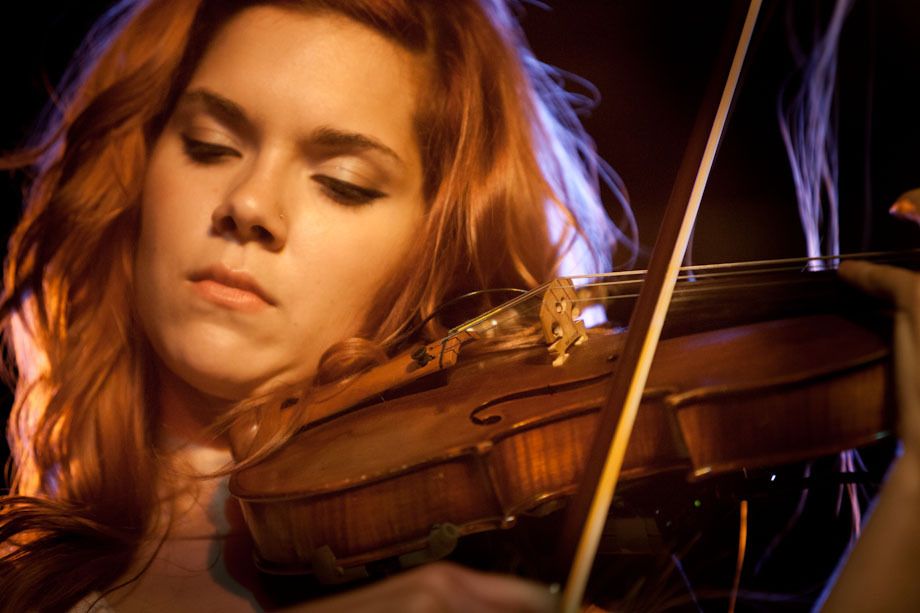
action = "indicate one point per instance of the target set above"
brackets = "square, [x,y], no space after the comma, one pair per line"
[224,363]
[225,372]
[214,380]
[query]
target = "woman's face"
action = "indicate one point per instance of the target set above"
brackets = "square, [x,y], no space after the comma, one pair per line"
[282,193]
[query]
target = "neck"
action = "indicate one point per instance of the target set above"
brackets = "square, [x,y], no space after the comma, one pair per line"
[186,415]
[194,498]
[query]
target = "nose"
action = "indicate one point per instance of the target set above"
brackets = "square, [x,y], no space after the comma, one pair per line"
[252,211]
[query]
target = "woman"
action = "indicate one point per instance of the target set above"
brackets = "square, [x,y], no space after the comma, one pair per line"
[232,202]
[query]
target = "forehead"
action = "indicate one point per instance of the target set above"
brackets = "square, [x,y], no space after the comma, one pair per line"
[299,70]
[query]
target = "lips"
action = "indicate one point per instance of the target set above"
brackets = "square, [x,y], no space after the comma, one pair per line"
[231,289]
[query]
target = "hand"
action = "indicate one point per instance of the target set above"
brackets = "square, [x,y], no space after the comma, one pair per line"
[880,573]
[902,288]
[441,588]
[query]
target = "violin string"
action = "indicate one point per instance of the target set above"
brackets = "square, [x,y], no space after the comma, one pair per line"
[695,272]
[775,265]
[691,278]
[691,285]
[776,262]
[492,313]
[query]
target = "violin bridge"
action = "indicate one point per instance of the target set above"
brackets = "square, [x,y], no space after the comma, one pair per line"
[559,314]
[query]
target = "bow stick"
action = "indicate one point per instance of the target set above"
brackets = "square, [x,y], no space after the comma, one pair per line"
[588,510]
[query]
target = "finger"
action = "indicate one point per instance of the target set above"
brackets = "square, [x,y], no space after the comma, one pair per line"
[897,285]
[907,206]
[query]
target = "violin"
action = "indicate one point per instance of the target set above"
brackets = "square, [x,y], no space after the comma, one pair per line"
[453,438]
[434,445]
[761,364]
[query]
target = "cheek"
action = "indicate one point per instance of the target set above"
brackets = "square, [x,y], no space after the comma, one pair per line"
[176,208]
[153,257]
[375,254]
[349,266]
[174,205]
[150,249]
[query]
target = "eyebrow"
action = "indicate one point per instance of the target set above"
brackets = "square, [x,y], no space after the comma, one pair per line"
[223,108]
[327,136]
[233,114]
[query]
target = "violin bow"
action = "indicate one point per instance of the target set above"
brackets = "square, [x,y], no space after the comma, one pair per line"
[587,511]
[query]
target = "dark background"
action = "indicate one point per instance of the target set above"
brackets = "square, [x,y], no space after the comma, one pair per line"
[651,60]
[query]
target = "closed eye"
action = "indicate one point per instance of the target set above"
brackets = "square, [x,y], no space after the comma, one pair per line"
[347,193]
[204,152]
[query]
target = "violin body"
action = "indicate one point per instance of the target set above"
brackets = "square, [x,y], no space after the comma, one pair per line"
[506,433]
